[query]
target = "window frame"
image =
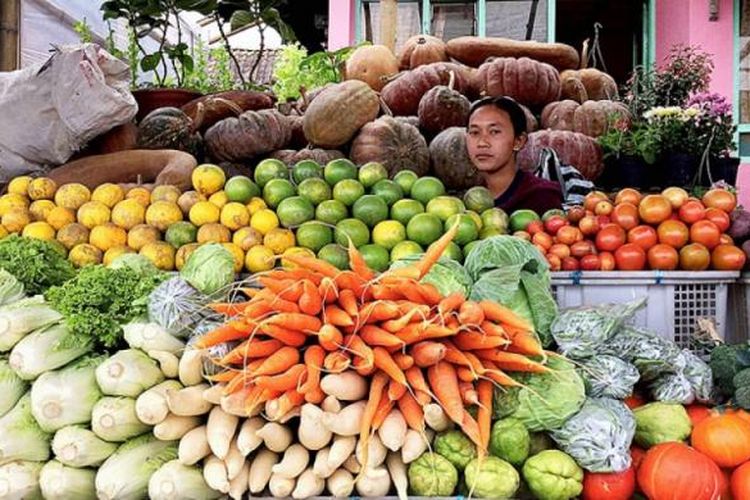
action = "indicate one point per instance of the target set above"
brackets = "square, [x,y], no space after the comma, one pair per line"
[742,128]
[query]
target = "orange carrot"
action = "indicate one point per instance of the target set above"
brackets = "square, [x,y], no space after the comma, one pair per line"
[525,343]
[395,390]
[490,328]
[423,398]
[430,294]
[378,384]
[385,407]
[418,311]
[384,361]
[427,353]
[470,427]
[225,376]
[384,292]
[294,274]
[282,305]
[468,394]
[233,330]
[435,251]
[239,381]
[334,315]
[511,361]
[286,289]
[470,340]
[330,338]
[251,292]
[316,396]
[290,379]
[429,332]
[411,293]
[412,412]
[498,376]
[444,384]
[358,265]
[296,321]
[288,401]
[228,308]
[293,338]
[466,374]
[280,361]
[336,362]
[359,348]
[329,292]
[470,313]
[395,276]
[451,303]
[375,336]
[363,367]
[251,348]
[310,302]
[416,379]
[375,312]
[501,314]
[313,264]
[454,355]
[484,413]
[257,309]
[314,357]
[396,325]
[349,280]
[348,302]
[403,361]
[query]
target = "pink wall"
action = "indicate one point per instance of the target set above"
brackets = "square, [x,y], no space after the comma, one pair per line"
[341,23]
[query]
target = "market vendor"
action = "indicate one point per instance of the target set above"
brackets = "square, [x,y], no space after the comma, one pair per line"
[496,132]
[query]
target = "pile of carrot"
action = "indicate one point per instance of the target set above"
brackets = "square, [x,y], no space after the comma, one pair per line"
[414,345]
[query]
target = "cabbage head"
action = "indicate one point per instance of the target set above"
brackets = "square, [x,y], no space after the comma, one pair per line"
[209,269]
[447,275]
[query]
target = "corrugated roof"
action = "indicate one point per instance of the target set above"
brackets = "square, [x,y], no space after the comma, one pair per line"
[263,74]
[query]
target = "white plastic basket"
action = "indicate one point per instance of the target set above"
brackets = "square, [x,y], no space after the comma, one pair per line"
[738,326]
[676,299]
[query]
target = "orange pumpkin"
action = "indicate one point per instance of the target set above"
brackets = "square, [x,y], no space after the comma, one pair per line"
[420,50]
[724,438]
[372,64]
[698,413]
[634,401]
[740,482]
[675,471]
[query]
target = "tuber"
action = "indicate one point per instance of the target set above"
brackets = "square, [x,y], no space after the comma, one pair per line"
[295,460]
[260,470]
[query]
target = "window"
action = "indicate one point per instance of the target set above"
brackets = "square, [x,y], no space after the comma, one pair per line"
[743,78]
[517,18]
[409,21]
[451,20]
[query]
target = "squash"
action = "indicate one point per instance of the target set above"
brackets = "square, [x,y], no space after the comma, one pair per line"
[372,64]
[393,143]
[247,136]
[298,140]
[578,150]
[293,156]
[598,85]
[225,104]
[451,162]
[402,95]
[724,438]
[591,118]
[529,82]
[572,88]
[740,482]
[411,120]
[662,474]
[420,50]
[338,112]
[119,138]
[170,128]
[474,51]
[442,107]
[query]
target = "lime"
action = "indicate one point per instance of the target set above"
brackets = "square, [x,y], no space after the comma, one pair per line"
[240,188]
[424,228]
[388,234]
[404,210]
[454,252]
[331,212]
[404,249]
[314,189]
[339,169]
[180,233]
[406,179]
[479,199]
[295,210]
[277,190]
[269,169]
[314,235]
[354,229]
[476,217]
[370,209]
[336,255]
[348,191]
[468,248]
[306,169]
[388,190]
[426,188]
[522,218]
[444,207]
[376,257]
[495,218]
[467,228]
[371,173]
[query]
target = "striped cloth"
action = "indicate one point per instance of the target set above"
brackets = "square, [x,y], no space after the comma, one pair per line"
[573,184]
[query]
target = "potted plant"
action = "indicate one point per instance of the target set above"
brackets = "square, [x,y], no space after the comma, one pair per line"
[630,149]
[715,131]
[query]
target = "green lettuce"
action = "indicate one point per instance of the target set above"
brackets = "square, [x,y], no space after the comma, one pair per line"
[209,269]
[447,275]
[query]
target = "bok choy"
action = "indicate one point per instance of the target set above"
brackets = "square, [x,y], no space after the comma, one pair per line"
[21,438]
[23,317]
[44,350]
[175,480]
[11,289]
[59,482]
[12,387]
[151,336]
[128,373]
[114,419]
[20,481]
[75,446]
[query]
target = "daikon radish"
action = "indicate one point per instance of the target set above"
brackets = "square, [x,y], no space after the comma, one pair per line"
[215,474]
[168,362]
[220,430]
[345,386]
[276,437]
[293,413]
[320,465]
[234,404]
[375,482]
[312,434]
[280,486]
[397,470]
[189,401]
[247,439]
[352,465]
[260,470]
[175,427]
[193,446]
[234,460]
[295,460]
[213,394]
[308,485]
[191,367]
[341,449]
[347,421]
[375,455]
[341,483]
[415,445]
[435,417]
[330,405]
[238,486]
[151,406]
[393,431]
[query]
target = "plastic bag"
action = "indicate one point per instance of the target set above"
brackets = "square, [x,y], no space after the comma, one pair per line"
[674,388]
[608,376]
[700,376]
[176,306]
[652,355]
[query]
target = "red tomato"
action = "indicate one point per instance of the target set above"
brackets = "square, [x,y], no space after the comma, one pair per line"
[634,401]
[728,258]
[663,257]
[582,248]
[643,236]
[698,413]
[674,233]
[720,198]
[575,214]
[720,218]
[534,227]
[625,215]
[591,263]
[628,195]
[676,196]
[654,209]
[694,257]
[554,224]
[555,263]
[560,250]
[570,264]
[610,238]
[604,208]
[568,235]
[726,240]
[607,260]
[630,257]
[706,233]
[591,200]
[589,225]
[609,486]
[692,211]
[603,220]
[542,239]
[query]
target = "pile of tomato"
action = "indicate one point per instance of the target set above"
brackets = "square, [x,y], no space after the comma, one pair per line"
[635,232]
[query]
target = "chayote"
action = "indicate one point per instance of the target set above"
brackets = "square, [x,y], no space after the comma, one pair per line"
[553,475]
[510,441]
[660,422]
[491,477]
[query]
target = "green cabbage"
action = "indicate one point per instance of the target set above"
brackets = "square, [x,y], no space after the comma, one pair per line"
[137,262]
[75,446]
[447,275]
[59,482]
[12,387]
[209,269]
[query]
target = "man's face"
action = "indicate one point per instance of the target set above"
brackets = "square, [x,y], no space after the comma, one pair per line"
[490,139]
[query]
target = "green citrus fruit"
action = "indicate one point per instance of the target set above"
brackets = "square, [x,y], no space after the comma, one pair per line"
[370,209]
[314,235]
[405,249]
[335,255]
[495,218]
[276,190]
[241,189]
[454,252]
[479,199]
[180,233]
[339,169]
[468,248]
[295,210]
[444,207]
[306,169]
[388,234]
[371,173]
[348,191]
[405,179]
[331,212]
[404,210]
[270,169]
[376,257]
[467,228]
[314,189]
[388,190]
[354,229]
[426,188]
[424,229]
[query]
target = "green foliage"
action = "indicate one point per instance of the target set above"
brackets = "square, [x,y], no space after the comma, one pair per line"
[638,140]
[35,263]
[218,79]
[83,30]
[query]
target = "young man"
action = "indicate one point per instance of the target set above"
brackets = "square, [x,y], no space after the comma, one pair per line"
[496,132]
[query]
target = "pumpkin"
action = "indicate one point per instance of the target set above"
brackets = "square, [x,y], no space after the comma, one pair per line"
[170,128]
[698,413]
[609,486]
[578,150]
[402,95]
[222,105]
[740,482]
[598,84]
[442,107]
[372,64]
[298,140]
[293,156]
[411,120]
[532,124]
[420,50]
[674,470]
[338,112]
[724,438]
[120,138]
[247,136]
[572,88]
[474,51]
[451,162]
[393,143]
[591,118]
[529,82]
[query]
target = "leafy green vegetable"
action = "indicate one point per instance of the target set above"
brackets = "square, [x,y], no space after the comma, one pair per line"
[294,69]
[446,275]
[209,269]
[20,479]
[11,290]
[177,306]
[136,262]
[12,387]
[115,420]
[491,477]
[75,446]
[101,299]
[23,317]
[45,350]
[21,438]
[59,482]
[129,373]
[175,480]
[38,264]
[608,376]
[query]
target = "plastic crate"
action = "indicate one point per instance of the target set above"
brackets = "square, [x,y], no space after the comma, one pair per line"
[738,326]
[676,299]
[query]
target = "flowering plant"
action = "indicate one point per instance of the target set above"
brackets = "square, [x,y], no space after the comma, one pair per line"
[636,139]
[714,125]
[675,128]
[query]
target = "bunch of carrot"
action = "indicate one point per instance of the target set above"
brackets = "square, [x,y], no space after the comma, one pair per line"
[415,346]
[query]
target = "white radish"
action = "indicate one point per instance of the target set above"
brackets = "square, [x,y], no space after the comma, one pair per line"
[341,483]
[330,405]
[220,430]
[234,461]
[295,460]
[435,417]
[175,427]
[313,435]
[238,485]
[215,474]
[151,406]
[374,482]
[375,455]
[260,470]
[168,362]
[293,413]
[190,369]
[320,465]
[393,430]
[347,421]
[189,401]
[214,393]
[234,404]
[193,446]
[276,437]
[352,465]
[397,470]
[308,485]
[346,386]
[247,439]
[415,445]
[280,486]
[341,449]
